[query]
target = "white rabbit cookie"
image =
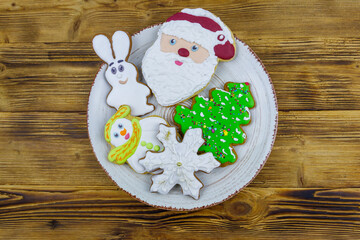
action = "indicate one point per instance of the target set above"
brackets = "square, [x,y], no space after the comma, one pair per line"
[122,75]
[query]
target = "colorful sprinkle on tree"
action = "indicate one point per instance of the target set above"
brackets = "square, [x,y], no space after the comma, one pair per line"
[220,118]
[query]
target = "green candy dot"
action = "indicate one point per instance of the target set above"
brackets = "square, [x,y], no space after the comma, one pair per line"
[143,143]
[149,145]
[156,148]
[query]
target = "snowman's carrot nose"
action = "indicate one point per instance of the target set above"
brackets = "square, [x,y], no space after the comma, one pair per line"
[123,132]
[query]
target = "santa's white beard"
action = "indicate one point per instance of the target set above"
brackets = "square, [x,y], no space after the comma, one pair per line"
[171,83]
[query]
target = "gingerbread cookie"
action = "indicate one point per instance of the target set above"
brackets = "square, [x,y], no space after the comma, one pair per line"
[179,162]
[122,75]
[131,137]
[184,57]
[219,118]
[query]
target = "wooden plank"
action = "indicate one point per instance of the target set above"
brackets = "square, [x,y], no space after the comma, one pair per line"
[313,74]
[106,213]
[308,74]
[51,186]
[75,20]
[38,148]
[336,50]
[45,148]
[47,87]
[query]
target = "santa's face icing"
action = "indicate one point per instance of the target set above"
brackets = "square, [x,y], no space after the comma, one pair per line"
[175,69]
[183,48]
[121,132]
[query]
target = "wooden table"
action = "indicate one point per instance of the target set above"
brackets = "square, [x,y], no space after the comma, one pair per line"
[52,187]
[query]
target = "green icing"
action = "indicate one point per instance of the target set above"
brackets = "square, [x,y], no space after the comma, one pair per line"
[219,118]
[149,145]
[156,148]
[143,143]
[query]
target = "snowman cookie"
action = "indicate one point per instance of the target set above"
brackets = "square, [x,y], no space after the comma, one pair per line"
[131,137]
[185,54]
[122,75]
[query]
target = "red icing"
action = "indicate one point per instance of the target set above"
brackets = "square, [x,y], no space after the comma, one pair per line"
[178,63]
[127,136]
[225,51]
[247,83]
[221,37]
[183,52]
[205,22]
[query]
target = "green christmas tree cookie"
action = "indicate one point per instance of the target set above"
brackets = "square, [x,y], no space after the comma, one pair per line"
[219,118]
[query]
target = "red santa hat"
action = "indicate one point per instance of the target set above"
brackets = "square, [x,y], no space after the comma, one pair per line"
[204,28]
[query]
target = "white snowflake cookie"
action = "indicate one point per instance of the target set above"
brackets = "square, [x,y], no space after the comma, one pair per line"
[179,162]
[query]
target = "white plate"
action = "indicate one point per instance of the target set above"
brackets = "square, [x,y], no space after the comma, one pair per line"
[220,184]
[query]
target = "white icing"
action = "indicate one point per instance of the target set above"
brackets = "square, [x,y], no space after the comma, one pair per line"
[149,130]
[241,85]
[247,99]
[232,108]
[205,98]
[125,126]
[201,105]
[213,120]
[201,114]
[222,140]
[240,95]
[171,83]
[237,119]
[223,117]
[237,131]
[248,111]
[232,153]
[179,161]
[244,135]
[227,98]
[235,139]
[131,92]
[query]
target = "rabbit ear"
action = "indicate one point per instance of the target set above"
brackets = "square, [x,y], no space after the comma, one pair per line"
[121,45]
[102,47]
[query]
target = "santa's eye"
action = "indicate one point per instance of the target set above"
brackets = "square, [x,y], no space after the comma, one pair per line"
[113,70]
[121,68]
[194,48]
[172,41]
[116,135]
[120,126]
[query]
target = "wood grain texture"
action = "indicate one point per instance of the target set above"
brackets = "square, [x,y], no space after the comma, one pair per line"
[264,213]
[308,74]
[50,146]
[51,186]
[28,21]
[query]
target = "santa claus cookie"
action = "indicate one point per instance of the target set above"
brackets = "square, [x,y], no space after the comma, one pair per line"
[184,56]
[130,137]
[179,162]
[122,75]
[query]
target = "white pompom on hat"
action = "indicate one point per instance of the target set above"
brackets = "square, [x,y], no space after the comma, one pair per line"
[204,28]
